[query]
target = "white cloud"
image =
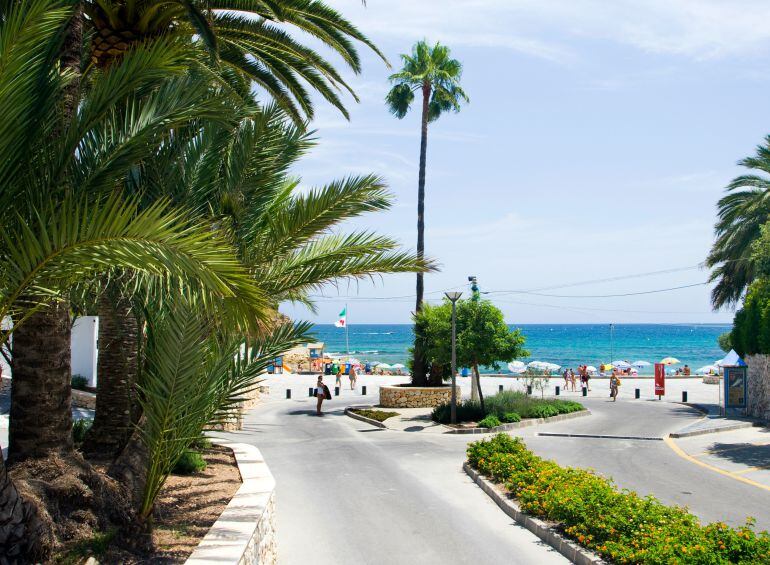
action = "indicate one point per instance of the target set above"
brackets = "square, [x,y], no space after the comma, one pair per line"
[698,29]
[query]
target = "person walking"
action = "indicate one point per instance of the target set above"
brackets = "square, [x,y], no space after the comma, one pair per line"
[614,386]
[353,377]
[572,378]
[337,370]
[566,378]
[321,393]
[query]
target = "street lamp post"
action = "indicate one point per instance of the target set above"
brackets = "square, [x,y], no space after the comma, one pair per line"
[454,297]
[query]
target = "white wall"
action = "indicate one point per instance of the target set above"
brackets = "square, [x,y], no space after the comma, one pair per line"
[85,332]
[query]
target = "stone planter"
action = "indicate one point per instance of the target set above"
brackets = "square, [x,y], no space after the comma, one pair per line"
[405,396]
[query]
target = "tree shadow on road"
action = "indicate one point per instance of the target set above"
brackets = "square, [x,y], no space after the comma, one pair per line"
[744,453]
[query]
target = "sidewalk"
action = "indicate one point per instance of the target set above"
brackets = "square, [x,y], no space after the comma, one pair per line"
[742,454]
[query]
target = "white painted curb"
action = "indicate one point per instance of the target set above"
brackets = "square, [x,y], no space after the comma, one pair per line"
[232,539]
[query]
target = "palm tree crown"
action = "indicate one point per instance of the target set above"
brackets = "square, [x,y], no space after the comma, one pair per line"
[742,212]
[432,70]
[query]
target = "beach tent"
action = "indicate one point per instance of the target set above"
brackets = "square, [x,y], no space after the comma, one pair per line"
[517,367]
[731,359]
[641,364]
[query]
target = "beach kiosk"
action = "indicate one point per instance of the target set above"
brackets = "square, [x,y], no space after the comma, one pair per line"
[734,383]
[276,367]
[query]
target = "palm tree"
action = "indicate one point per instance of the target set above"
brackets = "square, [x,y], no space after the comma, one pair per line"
[55,235]
[431,71]
[742,212]
[248,39]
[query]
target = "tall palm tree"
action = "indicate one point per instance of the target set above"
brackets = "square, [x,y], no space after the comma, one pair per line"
[249,40]
[432,72]
[742,212]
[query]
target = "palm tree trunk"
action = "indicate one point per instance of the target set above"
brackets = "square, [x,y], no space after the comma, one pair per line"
[41,413]
[418,376]
[116,374]
[20,527]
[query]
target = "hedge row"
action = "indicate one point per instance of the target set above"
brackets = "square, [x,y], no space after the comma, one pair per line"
[619,525]
[504,405]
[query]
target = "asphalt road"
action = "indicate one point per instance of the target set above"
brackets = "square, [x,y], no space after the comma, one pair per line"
[650,467]
[349,493]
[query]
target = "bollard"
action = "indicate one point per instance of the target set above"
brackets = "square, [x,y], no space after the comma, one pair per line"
[310,391]
[684,396]
[637,393]
[500,388]
[288,393]
[557,390]
[363,390]
[529,389]
[585,391]
[336,391]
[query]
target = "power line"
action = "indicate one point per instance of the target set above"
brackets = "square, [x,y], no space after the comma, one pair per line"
[656,291]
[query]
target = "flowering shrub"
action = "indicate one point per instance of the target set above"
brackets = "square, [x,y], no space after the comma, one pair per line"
[620,525]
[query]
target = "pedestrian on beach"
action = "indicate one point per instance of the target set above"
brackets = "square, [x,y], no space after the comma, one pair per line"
[321,393]
[353,377]
[572,378]
[614,386]
[566,378]
[337,370]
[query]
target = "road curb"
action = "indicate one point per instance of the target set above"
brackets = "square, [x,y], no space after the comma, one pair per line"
[541,529]
[729,428]
[355,416]
[600,436]
[523,424]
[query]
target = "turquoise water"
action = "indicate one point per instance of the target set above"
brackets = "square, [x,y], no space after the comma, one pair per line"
[568,345]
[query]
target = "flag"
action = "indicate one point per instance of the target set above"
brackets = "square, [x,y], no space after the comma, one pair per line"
[343,319]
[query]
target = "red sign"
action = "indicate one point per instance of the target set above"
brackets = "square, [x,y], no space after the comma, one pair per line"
[660,379]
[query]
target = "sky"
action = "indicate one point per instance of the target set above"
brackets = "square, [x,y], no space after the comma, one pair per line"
[598,138]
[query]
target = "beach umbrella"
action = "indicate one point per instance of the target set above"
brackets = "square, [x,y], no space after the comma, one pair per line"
[670,361]
[543,366]
[641,364]
[732,359]
[517,367]
[383,366]
[707,369]
[622,364]
[606,367]
[553,366]
[591,369]
[399,366]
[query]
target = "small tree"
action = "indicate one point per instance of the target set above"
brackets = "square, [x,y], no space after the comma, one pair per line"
[483,338]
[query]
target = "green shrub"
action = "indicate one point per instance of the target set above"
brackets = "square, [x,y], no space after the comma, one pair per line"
[467,411]
[621,526]
[507,402]
[201,443]
[79,382]
[490,421]
[80,428]
[379,415]
[510,418]
[190,462]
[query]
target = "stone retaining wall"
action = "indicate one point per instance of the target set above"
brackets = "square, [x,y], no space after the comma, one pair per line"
[758,404]
[244,534]
[415,396]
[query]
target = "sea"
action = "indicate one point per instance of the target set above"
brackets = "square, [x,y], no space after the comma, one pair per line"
[568,345]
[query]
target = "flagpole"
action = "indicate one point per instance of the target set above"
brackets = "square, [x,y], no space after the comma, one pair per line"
[347,339]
